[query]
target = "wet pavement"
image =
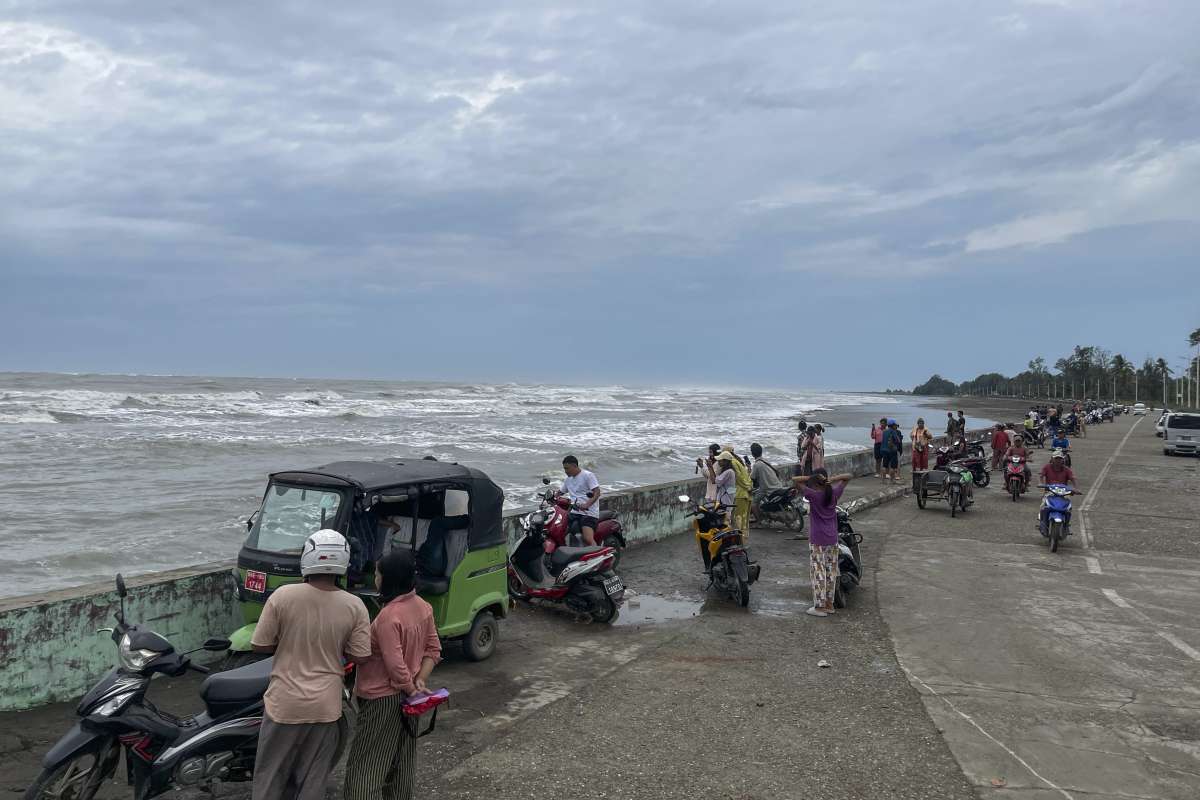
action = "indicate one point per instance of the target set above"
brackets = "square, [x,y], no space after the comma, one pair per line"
[1060,675]
[686,696]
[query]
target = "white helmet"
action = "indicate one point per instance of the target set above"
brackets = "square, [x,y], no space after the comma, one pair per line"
[325,553]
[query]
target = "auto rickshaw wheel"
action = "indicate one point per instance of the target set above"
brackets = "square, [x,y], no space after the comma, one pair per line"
[480,642]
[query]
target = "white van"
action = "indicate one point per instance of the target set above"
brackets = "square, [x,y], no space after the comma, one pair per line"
[1182,434]
[1139,409]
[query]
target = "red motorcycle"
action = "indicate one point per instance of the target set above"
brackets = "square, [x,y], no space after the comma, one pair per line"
[578,579]
[1015,479]
[560,532]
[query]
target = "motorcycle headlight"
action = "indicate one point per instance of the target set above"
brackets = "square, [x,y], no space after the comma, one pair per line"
[110,707]
[130,659]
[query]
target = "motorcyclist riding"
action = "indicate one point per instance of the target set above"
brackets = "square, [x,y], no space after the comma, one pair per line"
[1056,472]
[1018,449]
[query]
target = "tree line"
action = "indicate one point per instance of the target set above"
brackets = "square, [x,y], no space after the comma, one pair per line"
[1088,371]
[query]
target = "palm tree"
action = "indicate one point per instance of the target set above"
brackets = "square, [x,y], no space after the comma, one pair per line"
[1120,368]
[1194,338]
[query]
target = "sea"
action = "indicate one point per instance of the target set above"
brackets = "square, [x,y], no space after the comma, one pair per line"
[108,473]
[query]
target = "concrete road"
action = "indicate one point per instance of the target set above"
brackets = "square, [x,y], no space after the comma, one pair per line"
[1063,675]
[689,696]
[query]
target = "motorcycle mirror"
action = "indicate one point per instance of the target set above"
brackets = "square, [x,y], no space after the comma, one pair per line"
[683,498]
[121,590]
[216,645]
[546,481]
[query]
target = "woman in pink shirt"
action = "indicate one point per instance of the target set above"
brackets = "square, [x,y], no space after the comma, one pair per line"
[404,650]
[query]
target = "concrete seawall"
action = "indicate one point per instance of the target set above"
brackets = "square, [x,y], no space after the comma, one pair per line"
[49,651]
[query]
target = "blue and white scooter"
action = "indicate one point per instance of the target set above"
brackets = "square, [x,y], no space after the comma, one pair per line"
[1054,519]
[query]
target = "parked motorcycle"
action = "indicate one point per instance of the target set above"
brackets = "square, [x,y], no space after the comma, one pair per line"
[849,559]
[723,550]
[1014,477]
[578,579]
[1035,436]
[975,462]
[1054,519]
[559,530]
[162,752]
[784,506]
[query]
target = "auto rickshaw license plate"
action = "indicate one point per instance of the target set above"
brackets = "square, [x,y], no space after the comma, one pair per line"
[256,581]
[614,586]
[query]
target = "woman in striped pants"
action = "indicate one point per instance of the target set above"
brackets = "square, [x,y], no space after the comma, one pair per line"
[404,649]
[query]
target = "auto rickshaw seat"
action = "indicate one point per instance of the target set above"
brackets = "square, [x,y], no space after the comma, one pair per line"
[441,554]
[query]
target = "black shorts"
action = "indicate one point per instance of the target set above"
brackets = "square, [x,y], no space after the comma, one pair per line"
[891,460]
[577,522]
[878,451]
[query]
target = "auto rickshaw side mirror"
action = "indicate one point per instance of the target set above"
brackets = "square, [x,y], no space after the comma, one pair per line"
[251,520]
[545,481]
[216,645]
[122,592]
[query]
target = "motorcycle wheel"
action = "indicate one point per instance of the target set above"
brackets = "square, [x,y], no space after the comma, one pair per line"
[792,519]
[954,502]
[922,496]
[742,593]
[984,481]
[615,544]
[78,778]
[839,595]
[606,612]
[515,589]
[1055,536]
[1014,488]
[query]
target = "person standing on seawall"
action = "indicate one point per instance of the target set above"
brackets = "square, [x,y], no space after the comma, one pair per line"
[893,443]
[745,491]
[877,438]
[921,439]
[822,493]
[406,648]
[951,427]
[1000,443]
[309,627]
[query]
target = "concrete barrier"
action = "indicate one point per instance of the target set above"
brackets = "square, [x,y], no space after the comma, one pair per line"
[49,651]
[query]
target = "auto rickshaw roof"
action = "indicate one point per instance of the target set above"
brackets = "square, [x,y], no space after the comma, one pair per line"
[374,475]
[487,499]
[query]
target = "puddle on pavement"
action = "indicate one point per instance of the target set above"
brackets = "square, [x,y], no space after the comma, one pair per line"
[647,609]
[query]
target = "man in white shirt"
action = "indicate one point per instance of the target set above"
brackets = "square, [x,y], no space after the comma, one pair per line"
[584,490]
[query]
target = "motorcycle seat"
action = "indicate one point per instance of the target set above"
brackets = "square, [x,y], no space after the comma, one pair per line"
[563,556]
[606,515]
[242,685]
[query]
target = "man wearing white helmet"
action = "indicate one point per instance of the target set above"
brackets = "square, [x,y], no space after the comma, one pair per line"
[310,628]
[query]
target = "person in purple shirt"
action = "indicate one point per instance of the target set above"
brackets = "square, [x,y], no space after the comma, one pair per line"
[822,493]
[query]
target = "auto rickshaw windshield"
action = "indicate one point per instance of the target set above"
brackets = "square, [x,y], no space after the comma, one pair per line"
[290,514]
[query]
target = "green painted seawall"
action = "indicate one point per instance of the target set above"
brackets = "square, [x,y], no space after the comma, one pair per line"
[50,652]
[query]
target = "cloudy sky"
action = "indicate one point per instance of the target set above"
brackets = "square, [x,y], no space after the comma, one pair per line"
[826,194]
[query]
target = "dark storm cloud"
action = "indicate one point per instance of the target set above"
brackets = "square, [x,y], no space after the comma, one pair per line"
[292,156]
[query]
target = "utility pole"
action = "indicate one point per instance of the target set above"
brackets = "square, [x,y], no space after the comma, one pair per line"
[1135,386]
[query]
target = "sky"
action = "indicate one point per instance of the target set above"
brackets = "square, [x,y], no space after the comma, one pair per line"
[820,194]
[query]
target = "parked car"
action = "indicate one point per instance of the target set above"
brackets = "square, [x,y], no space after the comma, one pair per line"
[1182,434]
[1160,427]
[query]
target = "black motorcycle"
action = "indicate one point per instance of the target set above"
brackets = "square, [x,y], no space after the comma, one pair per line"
[849,559]
[784,506]
[161,751]
[1034,437]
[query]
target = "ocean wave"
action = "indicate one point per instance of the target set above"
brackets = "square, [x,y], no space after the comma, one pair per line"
[27,417]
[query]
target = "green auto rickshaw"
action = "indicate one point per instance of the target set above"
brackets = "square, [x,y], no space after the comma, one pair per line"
[451,516]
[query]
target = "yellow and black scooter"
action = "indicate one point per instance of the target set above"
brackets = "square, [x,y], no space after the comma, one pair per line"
[723,549]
